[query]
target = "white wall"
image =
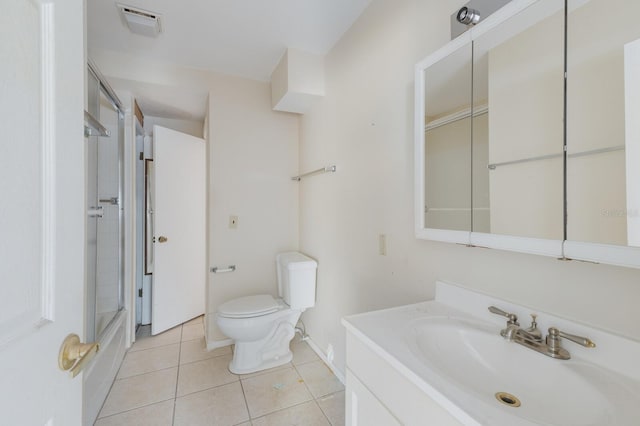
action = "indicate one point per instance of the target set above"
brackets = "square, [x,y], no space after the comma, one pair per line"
[253,152]
[364,125]
[190,127]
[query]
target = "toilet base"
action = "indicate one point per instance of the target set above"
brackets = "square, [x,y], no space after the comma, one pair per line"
[272,363]
[269,352]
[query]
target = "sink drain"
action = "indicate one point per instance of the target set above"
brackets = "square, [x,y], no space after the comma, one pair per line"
[508,399]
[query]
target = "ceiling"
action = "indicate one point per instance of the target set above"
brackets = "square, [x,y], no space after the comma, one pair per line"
[245,38]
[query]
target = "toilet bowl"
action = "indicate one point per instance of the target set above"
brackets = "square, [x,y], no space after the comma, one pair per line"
[262,326]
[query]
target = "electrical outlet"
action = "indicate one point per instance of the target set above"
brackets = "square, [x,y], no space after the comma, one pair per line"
[382,244]
[330,353]
[233,222]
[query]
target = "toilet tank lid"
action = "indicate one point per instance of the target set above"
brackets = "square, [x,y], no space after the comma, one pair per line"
[296,260]
[259,304]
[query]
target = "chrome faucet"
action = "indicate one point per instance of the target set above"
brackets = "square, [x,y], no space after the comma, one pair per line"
[532,337]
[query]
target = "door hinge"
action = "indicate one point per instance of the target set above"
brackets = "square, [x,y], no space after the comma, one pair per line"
[141,156]
[140,292]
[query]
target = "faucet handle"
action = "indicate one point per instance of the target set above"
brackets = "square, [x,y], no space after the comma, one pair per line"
[555,348]
[584,341]
[513,319]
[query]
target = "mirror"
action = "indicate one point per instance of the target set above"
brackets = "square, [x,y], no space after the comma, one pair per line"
[552,166]
[518,78]
[447,142]
[603,141]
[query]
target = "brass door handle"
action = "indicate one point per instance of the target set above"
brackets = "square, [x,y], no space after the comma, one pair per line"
[162,239]
[74,356]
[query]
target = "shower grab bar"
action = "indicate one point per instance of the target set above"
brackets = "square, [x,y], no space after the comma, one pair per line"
[549,156]
[315,172]
[217,270]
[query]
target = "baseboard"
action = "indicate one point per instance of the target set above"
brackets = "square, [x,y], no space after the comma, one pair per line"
[339,374]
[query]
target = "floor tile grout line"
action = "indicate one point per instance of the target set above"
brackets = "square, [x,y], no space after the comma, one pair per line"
[305,383]
[204,359]
[323,413]
[151,348]
[321,409]
[264,372]
[239,379]
[309,362]
[246,403]
[134,408]
[206,389]
[315,399]
[148,372]
[283,409]
[175,391]
[113,383]
[132,349]
[191,340]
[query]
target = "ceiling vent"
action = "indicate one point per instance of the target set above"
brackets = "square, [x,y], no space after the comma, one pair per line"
[141,21]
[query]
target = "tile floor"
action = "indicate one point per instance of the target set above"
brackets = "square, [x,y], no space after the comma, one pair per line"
[171,379]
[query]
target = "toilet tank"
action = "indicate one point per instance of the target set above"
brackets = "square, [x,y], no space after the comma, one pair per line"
[297,279]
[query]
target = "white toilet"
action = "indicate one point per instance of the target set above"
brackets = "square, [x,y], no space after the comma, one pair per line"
[262,326]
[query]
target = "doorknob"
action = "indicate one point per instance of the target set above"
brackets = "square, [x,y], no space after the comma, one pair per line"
[162,239]
[73,355]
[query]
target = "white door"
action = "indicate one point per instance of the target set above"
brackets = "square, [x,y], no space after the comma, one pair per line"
[179,267]
[42,210]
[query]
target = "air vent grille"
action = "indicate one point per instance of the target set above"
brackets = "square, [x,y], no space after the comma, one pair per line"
[139,13]
[141,21]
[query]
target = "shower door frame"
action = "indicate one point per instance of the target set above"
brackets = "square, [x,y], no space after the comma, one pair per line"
[91,308]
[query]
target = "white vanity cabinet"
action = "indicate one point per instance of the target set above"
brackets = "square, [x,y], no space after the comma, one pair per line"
[363,407]
[378,394]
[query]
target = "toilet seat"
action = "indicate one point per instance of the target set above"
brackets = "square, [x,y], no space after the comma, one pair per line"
[249,306]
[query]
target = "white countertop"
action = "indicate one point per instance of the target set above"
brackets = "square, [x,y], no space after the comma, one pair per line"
[385,333]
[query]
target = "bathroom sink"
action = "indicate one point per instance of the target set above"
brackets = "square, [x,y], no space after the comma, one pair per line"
[521,382]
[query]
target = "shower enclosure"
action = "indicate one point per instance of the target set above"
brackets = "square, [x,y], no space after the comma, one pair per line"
[105,239]
[107,318]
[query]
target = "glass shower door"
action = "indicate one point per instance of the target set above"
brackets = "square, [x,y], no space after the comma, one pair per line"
[104,222]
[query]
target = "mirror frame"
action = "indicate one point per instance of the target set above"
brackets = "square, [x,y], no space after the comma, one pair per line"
[450,236]
[626,256]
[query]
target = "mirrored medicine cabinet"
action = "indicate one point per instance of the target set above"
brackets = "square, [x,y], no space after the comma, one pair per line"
[514,153]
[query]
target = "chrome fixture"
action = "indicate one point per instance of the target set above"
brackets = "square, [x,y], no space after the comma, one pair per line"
[113,201]
[468,16]
[93,127]
[218,270]
[315,172]
[532,337]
